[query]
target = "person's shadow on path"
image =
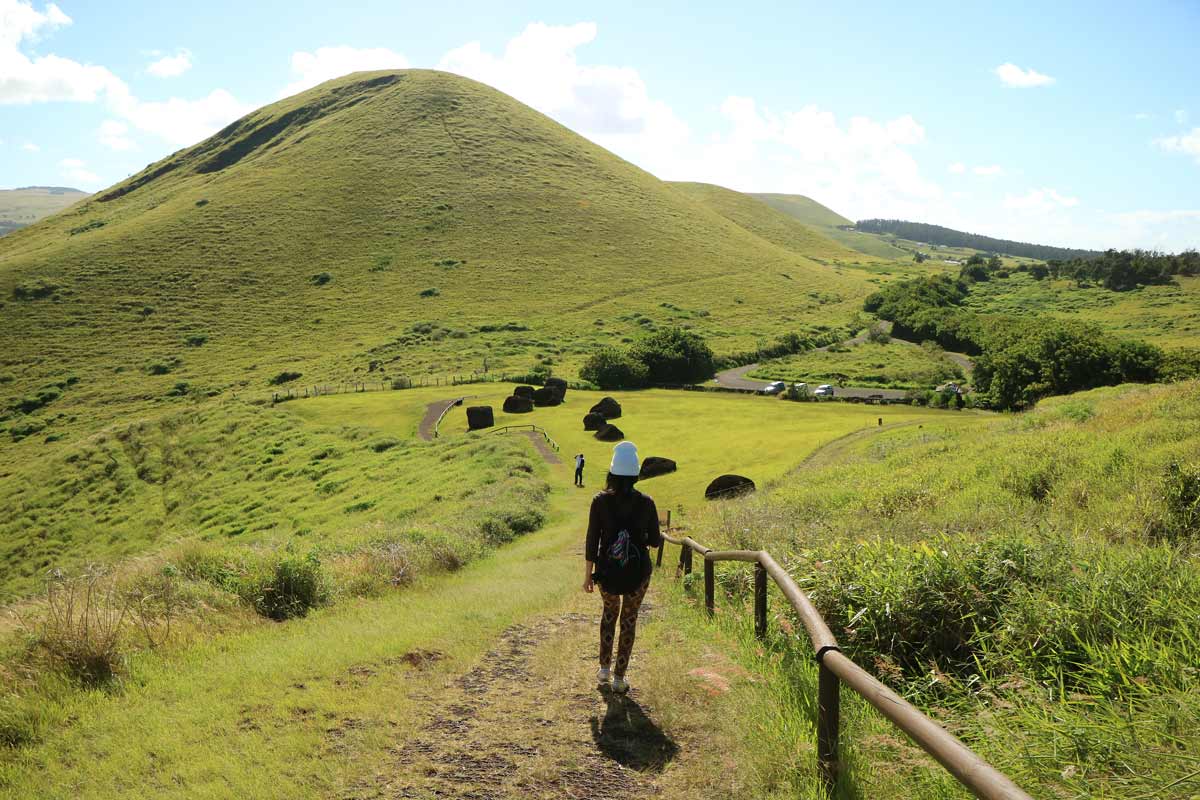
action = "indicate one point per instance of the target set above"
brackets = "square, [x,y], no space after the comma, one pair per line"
[629,737]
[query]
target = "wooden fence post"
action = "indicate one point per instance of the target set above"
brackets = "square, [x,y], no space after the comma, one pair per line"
[828,713]
[760,601]
[710,580]
[685,558]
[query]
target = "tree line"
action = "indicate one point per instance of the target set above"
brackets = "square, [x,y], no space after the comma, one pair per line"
[1122,270]
[948,237]
[1019,360]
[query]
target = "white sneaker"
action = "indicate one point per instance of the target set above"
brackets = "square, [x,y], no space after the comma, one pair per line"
[620,685]
[603,676]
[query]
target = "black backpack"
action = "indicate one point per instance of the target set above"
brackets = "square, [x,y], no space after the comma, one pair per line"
[624,564]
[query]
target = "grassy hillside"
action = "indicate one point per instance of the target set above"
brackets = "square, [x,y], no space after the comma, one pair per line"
[25,206]
[829,223]
[1033,581]
[767,222]
[399,222]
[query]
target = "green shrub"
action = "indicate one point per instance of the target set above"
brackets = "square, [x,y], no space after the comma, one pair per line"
[284,377]
[89,226]
[36,289]
[673,355]
[432,292]
[286,587]
[1181,499]
[26,427]
[614,368]
[195,340]
[320,279]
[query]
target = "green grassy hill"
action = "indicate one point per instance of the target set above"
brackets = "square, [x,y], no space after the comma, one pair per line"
[392,223]
[767,222]
[830,224]
[28,204]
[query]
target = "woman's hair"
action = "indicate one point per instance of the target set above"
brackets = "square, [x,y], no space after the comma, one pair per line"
[620,484]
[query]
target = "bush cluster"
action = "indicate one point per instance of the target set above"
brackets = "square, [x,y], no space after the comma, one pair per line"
[669,355]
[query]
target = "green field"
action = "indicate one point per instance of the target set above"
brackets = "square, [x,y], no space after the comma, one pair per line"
[1032,580]
[27,205]
[891,365]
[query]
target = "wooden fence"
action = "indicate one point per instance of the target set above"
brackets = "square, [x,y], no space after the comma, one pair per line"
[969,769]
[535,428]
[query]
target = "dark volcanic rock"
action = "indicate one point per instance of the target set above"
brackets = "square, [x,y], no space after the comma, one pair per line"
[518,405]
[560,385]
[524,391]
[546,396]
[479,417]
[728,486]
[610,433]
[609,407]
[594,422]
[653,466]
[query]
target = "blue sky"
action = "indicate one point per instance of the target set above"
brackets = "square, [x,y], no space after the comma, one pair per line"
[1074,124]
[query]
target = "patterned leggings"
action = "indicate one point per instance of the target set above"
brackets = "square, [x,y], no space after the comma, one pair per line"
[626,607]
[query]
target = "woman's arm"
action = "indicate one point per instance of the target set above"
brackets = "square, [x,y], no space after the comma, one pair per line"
[653,531]
[591,545]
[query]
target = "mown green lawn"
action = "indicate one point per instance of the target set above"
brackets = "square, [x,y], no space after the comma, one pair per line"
[706,433]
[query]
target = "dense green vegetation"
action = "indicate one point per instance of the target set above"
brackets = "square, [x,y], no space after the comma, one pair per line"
[893,364]
[670,356]
[936,234]
[1033,581]
[1019,359]
[1123,270]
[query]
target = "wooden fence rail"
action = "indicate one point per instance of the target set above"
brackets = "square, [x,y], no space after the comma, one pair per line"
[834,669]
[535,428]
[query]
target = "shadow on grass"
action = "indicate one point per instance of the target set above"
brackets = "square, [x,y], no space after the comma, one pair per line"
[629,737]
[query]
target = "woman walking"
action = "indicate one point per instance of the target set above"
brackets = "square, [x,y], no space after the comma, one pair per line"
[622,526]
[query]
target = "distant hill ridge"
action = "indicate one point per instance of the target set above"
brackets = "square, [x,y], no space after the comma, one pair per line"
[948,237]
[51,189]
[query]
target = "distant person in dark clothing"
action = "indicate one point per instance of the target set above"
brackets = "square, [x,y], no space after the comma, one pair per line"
[622,526]
[579,469]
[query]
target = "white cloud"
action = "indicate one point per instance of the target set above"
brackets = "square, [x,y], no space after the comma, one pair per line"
[1181,116]
[1188,144]
[76,171]
[958,168]
[1040,201]
[1014,77]
[182,122]
[327,63]
[30,147]
[113,135]
[989,171]
[43,79]
[171,66]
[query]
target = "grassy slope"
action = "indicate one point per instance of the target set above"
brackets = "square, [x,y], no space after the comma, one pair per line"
[1165,315]
[234,473]
[897,365]
[829,223]
[21,207]
[283,693]
[392,183]
[1052,516]
[767,222]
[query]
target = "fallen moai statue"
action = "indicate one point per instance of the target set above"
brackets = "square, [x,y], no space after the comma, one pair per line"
[609,407]
[518,404]
[653,466]
[610,433]
[728,486]
[480,417]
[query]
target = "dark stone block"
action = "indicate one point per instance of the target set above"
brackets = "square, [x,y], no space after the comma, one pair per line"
[594,422]
[560,385]
[524,391]
[518,405]
[546,396]
[653,466]
[610,433]
[728,486]
[609,407]
[480,417]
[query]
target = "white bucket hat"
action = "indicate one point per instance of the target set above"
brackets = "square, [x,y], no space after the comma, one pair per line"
[625,460]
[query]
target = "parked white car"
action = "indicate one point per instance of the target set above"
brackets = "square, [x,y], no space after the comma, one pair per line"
[774,388]
[824,390]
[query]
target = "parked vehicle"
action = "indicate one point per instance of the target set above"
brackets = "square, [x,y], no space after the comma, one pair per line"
[774,388]
[824,390]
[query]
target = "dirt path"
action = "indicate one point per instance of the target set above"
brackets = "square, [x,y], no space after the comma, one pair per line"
[525,722]
[429,422]
[834,451]
[539,443]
